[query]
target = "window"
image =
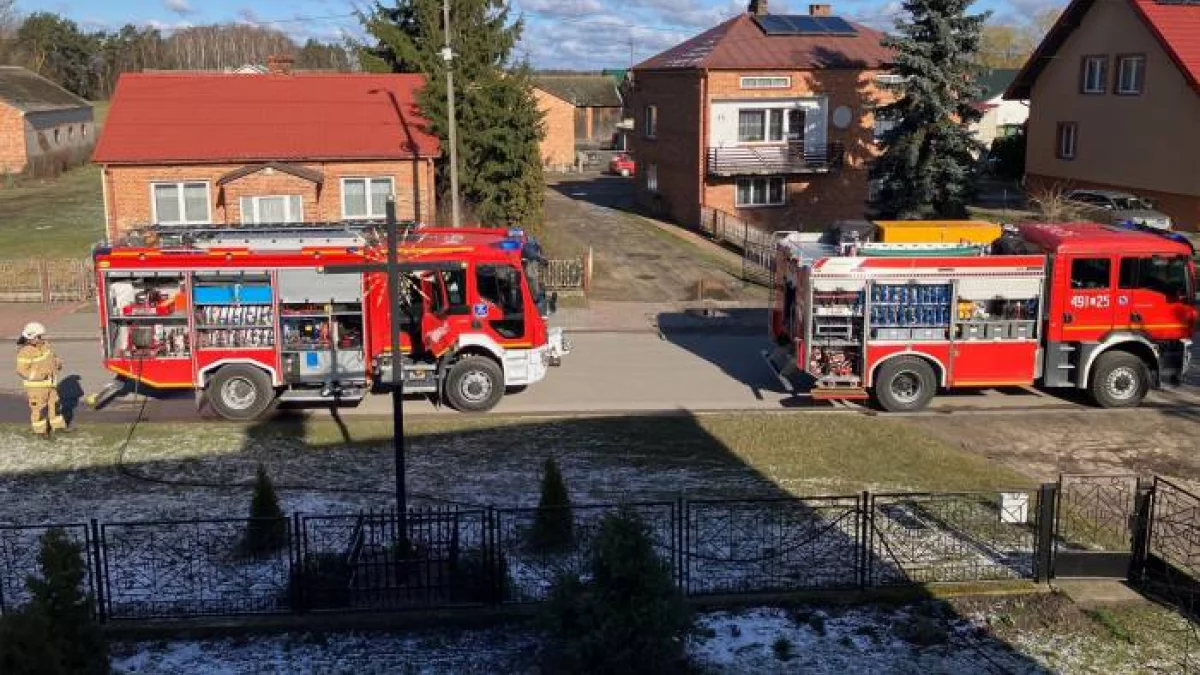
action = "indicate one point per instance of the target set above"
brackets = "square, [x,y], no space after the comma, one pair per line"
[796,124]
[766,82]
[70,132]
[365,197]
[1066,141]
[1131,75]
[1008,130]
[889,79]
[272,209]
[1093,74]
[56,135]
[885,121]
[1090,273]
[756,126]
[650,129]
[501,286]
[1168,276]
[83,131]
[180,203]
[760,191]
[456,290]
[652,177]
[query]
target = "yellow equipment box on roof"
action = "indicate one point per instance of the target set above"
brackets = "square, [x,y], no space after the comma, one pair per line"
[937,231]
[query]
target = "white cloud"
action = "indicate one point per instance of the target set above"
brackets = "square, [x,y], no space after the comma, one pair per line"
[180,7]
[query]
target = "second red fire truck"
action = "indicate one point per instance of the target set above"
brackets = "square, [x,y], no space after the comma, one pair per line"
[1085,306]
[248,316]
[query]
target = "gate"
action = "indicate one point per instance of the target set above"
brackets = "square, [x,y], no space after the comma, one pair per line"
[1099,528]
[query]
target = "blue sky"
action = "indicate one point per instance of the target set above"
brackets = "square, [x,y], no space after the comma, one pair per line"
[560,33]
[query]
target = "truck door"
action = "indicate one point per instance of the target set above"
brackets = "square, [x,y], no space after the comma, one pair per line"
[1154,296]
[1082,306]
[500,304]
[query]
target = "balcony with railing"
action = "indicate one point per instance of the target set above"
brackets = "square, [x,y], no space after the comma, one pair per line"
[761,160]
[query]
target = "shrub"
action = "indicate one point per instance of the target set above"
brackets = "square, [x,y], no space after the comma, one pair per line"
[783,649]
[628,617]
[1009,153]
[267,529]
[553,524]
[56,632]
[322,582]
[473,580]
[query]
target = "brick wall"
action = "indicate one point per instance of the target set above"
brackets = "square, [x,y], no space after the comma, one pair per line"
[12,140]
[676,146]
[812,200]
[128,193]
[681,143]
[1183,209]
[558,147]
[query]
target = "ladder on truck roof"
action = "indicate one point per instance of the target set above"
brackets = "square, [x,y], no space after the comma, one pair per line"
[282,236]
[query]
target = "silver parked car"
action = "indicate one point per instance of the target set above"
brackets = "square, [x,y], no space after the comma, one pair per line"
[1114,207]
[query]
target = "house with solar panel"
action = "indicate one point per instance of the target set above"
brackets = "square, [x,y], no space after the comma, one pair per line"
[766,117]
[1114,91]
[44,128]
[204,148]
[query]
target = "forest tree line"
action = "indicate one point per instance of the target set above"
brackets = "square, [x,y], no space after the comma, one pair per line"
[88,63]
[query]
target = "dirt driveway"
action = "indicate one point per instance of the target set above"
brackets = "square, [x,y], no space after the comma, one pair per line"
[635,261]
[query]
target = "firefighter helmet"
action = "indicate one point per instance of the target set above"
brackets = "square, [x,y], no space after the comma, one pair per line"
[33,330]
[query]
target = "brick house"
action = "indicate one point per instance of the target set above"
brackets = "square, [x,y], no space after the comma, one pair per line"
[581,113]
[217,148]
[41,122]
[766,117]
[1114,93]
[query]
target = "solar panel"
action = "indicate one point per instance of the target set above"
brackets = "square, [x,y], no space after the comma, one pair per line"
[802,24]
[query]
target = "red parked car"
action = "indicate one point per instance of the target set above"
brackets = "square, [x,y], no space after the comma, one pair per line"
[622,165]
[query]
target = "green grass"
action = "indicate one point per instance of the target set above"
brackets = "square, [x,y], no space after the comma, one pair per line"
[53,218]
[100,112]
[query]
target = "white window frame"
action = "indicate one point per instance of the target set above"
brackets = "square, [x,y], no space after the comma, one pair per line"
[179,185]
[768,180]
[650,121]
[1138,71]
[254,201]
[652,177]
[766,82]
[889,79]
[767,114]
[369,215]
[1067,141]
[1095,72]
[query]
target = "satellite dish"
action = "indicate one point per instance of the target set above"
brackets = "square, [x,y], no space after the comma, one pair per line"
[842,117]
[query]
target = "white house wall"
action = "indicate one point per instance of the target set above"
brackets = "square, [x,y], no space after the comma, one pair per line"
[723,119]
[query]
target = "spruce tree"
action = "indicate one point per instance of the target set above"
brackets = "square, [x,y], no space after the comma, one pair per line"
[58,600]
[266,531]
[499,124]
[927,165]
[553,523]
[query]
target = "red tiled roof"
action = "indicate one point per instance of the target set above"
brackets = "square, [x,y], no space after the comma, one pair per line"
[740,44]
[1176,26]
[216,117]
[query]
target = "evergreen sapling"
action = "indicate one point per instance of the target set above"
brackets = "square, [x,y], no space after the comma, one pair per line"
[267,529]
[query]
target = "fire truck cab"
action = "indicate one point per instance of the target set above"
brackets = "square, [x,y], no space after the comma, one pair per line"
[1086,306]
[249,316]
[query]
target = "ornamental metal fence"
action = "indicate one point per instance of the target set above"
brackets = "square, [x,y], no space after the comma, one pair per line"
[463,558]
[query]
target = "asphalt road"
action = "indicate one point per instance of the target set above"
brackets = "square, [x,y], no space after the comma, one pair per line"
[606,373]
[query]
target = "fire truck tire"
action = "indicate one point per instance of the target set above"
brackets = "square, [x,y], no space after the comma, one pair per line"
[475,384]
[240,393]
[905,384]
[1119,380]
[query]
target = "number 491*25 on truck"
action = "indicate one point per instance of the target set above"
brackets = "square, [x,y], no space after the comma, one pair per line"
[247,316]
[1083,306]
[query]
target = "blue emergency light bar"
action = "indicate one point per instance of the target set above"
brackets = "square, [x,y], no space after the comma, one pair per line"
[509,245]
[1141,227]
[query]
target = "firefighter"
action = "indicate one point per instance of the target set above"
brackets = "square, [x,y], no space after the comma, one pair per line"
[38,366]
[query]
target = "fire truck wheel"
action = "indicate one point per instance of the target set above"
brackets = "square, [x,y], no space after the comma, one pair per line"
[1119,380]
[904,384]
[240,393]
[475,384]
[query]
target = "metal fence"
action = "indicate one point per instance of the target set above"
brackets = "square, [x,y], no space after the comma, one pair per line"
[32,280]
[757,246]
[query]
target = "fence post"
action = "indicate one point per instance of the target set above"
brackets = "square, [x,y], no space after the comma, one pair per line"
[97,570]
[496,555]
[866,511]
[587,271]
[1143,510]
[44,279]
[1043,555]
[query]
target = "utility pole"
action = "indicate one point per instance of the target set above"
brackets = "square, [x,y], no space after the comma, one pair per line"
[448,57]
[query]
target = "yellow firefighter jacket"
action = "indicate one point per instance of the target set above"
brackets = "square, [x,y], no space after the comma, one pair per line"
[38,366]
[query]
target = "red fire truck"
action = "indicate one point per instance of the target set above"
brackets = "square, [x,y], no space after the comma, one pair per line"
[248,316]
[1084,306]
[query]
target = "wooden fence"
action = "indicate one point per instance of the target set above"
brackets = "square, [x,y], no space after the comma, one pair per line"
[73,280]
[64,280]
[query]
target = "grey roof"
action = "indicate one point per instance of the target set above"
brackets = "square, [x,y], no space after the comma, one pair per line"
[583,91]
[27,91]
[995,80]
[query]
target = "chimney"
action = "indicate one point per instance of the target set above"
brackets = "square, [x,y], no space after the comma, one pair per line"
[758,7]
[280,64]
[820,10]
